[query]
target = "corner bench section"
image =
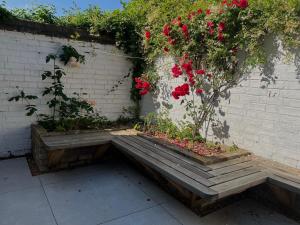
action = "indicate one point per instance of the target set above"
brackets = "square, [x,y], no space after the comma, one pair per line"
[205,183]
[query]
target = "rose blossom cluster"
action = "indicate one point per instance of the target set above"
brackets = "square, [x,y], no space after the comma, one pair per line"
[243,4]
[186,68]
[143,86]
[181,90]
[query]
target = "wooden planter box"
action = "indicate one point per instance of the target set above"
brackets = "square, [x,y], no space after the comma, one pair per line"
[204,160]
[59,150]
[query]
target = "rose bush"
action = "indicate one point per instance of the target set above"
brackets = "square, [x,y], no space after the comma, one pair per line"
[204,45]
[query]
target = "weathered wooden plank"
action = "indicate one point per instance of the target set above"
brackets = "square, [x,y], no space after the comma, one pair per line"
[76,140]
[75,144]
[171,152]
[168,162]
[284,183]
[234,175]
[233,168]
[239,185]
[229,163]
[174,157]
[285,175]
[165,170]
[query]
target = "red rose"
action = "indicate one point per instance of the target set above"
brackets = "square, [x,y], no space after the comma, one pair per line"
[192,81]
[199,91]
[166,49]
[185,30]
[200,72]
[171,41]
[224,2]
[199,11]
[235,2]
[243,4]
[181,91]
[144,86]
[185,89]
[208,12]
[147,35]
[210,24]
[176,71]
[144,92]
[221,26]
[187,66]
[220,37]
[166,30]
[175,95]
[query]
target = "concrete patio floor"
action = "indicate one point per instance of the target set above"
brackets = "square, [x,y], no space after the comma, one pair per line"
[111,193]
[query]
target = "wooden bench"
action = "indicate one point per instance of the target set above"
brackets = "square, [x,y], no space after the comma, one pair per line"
[207,183]
[196,182]
[56,150]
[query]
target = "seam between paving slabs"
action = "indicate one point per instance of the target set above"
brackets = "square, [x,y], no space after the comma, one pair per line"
[134,212]
[48,202]
[157,204]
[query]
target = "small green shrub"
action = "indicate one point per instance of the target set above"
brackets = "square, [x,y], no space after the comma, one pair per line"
[160,124]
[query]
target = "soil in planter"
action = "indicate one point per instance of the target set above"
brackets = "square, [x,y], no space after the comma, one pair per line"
[200,148]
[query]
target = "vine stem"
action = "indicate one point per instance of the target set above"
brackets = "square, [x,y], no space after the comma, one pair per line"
[54,108]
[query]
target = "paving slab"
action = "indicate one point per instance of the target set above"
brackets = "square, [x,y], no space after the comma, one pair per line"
[25,207]
[244,212]
[102,197]
[15,175]
[145,184]
[79,173]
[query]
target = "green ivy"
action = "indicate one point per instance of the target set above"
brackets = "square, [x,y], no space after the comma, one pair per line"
[277,17]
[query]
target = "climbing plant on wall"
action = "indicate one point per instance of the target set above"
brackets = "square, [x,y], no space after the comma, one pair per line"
[137,29]
[65,112]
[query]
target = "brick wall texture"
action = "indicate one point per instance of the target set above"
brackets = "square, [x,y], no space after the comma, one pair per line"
[22,61]
[260,117]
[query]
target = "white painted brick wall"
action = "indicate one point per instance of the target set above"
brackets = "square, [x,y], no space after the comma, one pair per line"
[22,61]
[264,121]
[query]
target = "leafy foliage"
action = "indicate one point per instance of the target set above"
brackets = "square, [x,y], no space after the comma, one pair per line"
[68,53]
[160,124]
[67,113]
[5,14]
[39,13]
[30,108]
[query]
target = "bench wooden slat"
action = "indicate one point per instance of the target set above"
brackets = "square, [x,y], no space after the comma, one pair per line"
[239,185]
[232,168]
[234,175]
[285,175]
[76,140]
[76,144]
[229,163]
[185,159]
[176,166]
[284,183]
[164,169]
[174,157]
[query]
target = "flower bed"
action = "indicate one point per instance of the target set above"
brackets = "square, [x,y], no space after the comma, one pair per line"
[199,151]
